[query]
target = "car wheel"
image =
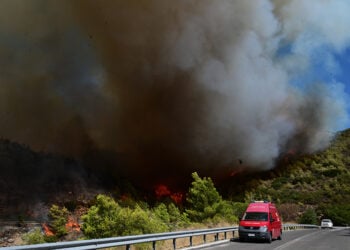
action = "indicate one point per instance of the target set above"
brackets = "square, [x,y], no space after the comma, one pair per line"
[241,239]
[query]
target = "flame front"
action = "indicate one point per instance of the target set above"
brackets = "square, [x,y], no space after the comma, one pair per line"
[162,190]
[72,225]
[177,197]
[47,230]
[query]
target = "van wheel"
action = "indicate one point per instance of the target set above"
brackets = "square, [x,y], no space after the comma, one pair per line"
[269,238]
[241,239]
[280,236]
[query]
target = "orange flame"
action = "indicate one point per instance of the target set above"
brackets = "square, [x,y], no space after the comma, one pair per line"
[47,230]
[72,225]
[177,197]
[162,190]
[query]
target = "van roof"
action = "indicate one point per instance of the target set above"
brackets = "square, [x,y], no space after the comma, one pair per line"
[259,207]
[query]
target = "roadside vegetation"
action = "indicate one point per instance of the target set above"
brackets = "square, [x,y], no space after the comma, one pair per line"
[109,217]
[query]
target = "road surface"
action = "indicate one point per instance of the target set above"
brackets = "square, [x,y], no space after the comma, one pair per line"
[311,239]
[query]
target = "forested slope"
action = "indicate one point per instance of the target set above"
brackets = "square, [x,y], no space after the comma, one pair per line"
[319,181]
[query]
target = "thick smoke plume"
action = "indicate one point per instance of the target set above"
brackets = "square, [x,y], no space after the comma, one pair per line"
[171,86]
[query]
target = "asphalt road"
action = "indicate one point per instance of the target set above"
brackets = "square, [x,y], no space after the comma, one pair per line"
[320,239]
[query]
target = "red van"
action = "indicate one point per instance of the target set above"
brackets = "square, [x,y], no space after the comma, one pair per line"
[260,221]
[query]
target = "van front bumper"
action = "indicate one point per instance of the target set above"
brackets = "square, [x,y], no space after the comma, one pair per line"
[253,234]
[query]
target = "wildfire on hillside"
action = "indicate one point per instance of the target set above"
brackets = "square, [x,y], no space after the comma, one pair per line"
[162,191]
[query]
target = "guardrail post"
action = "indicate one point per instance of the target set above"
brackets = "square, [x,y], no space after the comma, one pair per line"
[233,234]
[225,234]
[154,245]
[190,241]
[205,238]
[216,236]
[127,247]
[174,243]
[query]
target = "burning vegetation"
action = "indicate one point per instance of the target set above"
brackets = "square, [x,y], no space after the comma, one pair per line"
[47,231]
[162,191]
[72,225]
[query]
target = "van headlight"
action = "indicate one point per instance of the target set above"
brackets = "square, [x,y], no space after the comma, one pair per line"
[263,229]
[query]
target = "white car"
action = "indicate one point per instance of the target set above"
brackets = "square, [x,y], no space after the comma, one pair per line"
[326,223]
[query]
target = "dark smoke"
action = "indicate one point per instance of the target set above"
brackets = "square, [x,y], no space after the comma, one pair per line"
[171,86]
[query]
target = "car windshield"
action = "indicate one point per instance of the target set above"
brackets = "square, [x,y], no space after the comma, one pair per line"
[255,216]
[326,220]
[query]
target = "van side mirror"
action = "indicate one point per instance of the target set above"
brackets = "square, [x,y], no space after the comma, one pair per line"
[272,219]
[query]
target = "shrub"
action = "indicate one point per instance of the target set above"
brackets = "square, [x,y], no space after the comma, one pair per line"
[161,212]
[34,237]
[308,217]
[139,221]
[107,218]
[226,212]
[177,219]
[101,219]
[58,219]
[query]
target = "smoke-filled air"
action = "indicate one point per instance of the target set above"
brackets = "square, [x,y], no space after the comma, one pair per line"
[173,86]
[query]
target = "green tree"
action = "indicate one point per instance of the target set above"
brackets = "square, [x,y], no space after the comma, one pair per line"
[339,214]
[226,213]
[308,217]
[139,221]
[203,199]
[177,219]
[162,213]
[239,208]
[58,218]
[101,218]
[106,218]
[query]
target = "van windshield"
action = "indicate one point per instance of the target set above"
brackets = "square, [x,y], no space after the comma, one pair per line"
[255,216]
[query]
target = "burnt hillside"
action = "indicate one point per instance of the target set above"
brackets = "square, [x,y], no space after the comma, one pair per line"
[30,178]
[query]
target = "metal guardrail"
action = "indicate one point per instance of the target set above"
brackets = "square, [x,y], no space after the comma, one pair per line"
[127,241]
[290,226]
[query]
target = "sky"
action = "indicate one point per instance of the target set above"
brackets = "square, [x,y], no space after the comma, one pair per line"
[175,85]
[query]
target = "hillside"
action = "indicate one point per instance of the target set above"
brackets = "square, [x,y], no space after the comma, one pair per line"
[316,185]
[320,181]
[29,180]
